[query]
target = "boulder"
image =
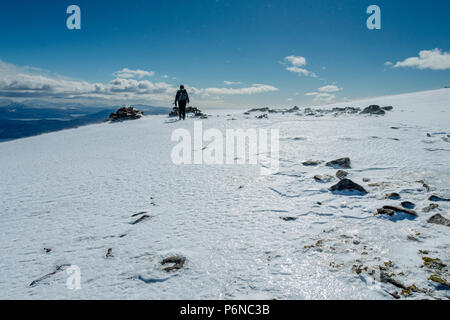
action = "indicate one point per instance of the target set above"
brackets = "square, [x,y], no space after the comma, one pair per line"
[178,263]
[373,109]
[392,196]
[342,163]
[438,219]
[436,198]
[126,113]
[311,163]
[408,205]
[348,185]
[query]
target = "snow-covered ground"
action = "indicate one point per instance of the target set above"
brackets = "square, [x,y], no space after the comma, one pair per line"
[75,191]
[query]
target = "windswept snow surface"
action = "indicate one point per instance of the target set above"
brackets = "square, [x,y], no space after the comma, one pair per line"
[75,191]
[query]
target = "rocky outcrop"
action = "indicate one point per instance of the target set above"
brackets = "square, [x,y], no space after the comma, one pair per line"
[373,110]
[311,163]
[348,185]
[126,113]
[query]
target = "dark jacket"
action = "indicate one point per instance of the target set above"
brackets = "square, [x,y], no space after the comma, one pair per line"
[178,95]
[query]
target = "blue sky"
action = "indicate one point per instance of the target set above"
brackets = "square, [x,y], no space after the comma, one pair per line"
[275,52]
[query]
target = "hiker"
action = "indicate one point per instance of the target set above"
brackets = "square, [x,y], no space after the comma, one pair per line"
[182,98]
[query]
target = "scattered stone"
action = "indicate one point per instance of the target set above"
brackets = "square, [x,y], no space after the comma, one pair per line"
[323,178]
[288,218]
[373,109]
[387,108]
[397,209]
[263,116]
[437,198]
[341,174]
[176,260]
[109,253]
[47,250]
[408,205]
[437,279]
[438,219]
[311,163]
[408,291]
[366,180]
[429,135]
[144,217]
[126,113]
[433,263]
[431,207]
[342,163]
[392,196]
[348,185]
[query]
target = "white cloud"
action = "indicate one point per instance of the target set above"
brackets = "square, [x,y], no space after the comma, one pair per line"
[128,73]
[296,64]
[311,93]
[254,89]
[19,83]
[324,97]
[329,88]
[230,83]
[388,63]
[428,59]
[296,61]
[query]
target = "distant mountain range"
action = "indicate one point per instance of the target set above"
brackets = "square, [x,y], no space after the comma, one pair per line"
[33,117]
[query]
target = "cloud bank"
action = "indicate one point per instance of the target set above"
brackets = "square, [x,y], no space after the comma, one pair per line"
[296,64]
[428,59]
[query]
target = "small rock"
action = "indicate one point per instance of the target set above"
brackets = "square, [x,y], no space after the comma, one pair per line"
[341,174]
[109,253]
[348,185]
[366,180]
[411,212]
[263,116]
[288,218]
[373,109]
[342,163]
[126,113]
[323,178]
[176,260]
[387,108]
[433,263]
[408,205]
[392,196]
[47,250]
[310,163]
[437,198]
[431,207]
[438,219]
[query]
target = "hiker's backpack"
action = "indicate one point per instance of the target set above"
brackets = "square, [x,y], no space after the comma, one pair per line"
[183,95]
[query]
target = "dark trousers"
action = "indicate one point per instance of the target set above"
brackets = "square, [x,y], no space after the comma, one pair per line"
[182,109]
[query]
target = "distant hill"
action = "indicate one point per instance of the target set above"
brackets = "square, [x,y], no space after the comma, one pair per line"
[33,117]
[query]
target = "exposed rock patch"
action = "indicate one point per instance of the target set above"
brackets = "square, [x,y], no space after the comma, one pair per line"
[126,113]
[341,174]
[348,185]
[178,263]
[342,163]
[373,110]
[438,219]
